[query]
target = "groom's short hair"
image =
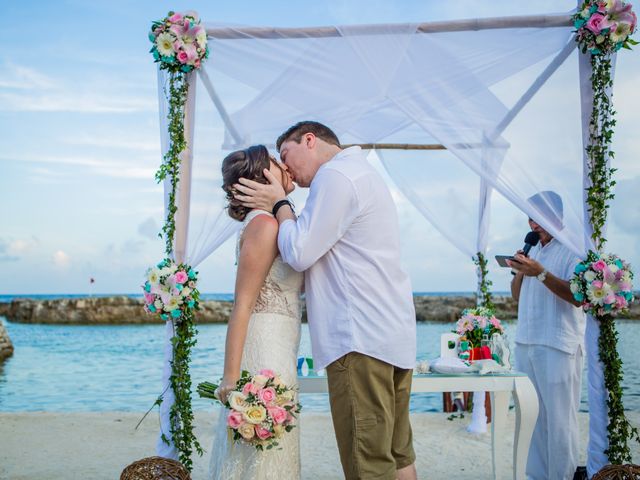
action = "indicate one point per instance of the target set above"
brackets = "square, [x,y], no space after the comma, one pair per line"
[296,132]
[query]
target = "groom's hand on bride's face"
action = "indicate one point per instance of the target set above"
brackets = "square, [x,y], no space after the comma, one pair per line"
[258,195]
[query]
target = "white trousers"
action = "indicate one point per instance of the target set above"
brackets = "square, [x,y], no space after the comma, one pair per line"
[556,376]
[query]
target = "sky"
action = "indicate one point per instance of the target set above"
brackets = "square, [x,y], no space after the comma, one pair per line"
[80,144]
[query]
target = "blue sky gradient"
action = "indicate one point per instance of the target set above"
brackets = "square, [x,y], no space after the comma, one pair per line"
[80,143]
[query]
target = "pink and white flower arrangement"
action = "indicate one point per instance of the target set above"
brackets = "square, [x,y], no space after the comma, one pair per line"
[604,284]
[179,42]
[605,26]
[260,410]
[170,289]
[477,322]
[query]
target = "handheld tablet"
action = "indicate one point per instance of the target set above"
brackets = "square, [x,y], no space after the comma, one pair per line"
[502,260]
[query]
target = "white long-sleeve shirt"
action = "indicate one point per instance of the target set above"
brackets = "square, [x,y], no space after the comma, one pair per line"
[543,317]
[346,240]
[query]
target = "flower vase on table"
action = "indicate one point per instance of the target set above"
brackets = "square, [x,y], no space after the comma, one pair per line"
[475,327]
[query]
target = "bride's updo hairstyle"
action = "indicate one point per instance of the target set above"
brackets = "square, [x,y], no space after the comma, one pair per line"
[248,163]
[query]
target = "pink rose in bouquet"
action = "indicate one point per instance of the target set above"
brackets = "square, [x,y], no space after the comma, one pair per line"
[278,414]
[234,419]
[267,395]
[250,388]
[263,433]
[595,22]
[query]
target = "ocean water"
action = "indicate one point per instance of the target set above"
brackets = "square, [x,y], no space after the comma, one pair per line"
[203,296]
[73,368]
[8,298]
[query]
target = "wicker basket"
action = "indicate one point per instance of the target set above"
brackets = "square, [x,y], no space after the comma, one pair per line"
[155,468]
[618,472]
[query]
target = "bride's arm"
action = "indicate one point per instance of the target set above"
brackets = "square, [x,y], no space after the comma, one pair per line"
[258,249]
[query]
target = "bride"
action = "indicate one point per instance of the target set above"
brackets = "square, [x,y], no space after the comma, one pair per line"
[264,327]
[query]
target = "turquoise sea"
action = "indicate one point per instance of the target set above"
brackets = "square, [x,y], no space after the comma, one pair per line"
[73,368]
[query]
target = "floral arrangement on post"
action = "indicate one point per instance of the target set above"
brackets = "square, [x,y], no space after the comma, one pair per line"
[261,408]
[180,47]
[170,290]
[605,26]
[477,322]
[604,283]
[602,28]
[179,42]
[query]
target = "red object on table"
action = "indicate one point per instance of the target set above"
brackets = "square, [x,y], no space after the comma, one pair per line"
[480,353]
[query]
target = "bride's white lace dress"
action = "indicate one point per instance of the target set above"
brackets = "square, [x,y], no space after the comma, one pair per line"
[272,342]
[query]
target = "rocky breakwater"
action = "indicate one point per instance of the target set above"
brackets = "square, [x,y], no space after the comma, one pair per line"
[125,310]
[6,347]
[99,311]
[449,308]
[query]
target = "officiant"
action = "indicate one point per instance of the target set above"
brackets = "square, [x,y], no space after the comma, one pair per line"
[549,342]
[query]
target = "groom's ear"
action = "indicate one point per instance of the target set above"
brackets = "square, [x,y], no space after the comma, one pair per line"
[310,140]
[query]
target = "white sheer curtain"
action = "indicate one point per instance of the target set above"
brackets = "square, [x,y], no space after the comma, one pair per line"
[449,195]
[390,84]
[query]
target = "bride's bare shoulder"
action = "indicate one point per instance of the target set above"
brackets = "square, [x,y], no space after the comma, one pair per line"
[261,230]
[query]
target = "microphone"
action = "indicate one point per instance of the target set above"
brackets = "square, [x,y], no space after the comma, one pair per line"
[531,240]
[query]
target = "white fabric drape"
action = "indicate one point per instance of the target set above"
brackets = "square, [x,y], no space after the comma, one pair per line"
[596,390]
[391,84]
[189,247]
[449,195]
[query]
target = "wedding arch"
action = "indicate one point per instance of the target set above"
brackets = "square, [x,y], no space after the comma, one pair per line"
[413,94]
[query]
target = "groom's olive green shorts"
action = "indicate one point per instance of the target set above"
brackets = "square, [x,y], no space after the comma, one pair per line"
[370,410]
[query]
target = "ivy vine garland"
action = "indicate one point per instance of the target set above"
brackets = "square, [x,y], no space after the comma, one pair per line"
[179,46]
[603,27]
[485,299]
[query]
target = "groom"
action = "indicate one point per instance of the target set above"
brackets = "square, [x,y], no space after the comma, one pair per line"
[359,301]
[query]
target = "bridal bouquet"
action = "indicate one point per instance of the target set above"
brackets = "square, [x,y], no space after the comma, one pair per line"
[261,408]
[604,26]
[603,283]
[477,322]
[179,42]
[170,289]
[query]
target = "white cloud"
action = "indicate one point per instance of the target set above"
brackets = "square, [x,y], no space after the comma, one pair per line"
[22,246]
[103,166]
[25,89]
[120,171]
[61,259]
[5,256]
[23,78]
[15,249]
[63,101]
[624,209]
[149,229]
[119,140]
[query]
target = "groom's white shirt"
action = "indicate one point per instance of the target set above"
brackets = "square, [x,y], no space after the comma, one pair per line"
[346,240]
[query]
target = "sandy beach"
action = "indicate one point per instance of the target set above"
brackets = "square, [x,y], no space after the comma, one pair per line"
[99,445]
